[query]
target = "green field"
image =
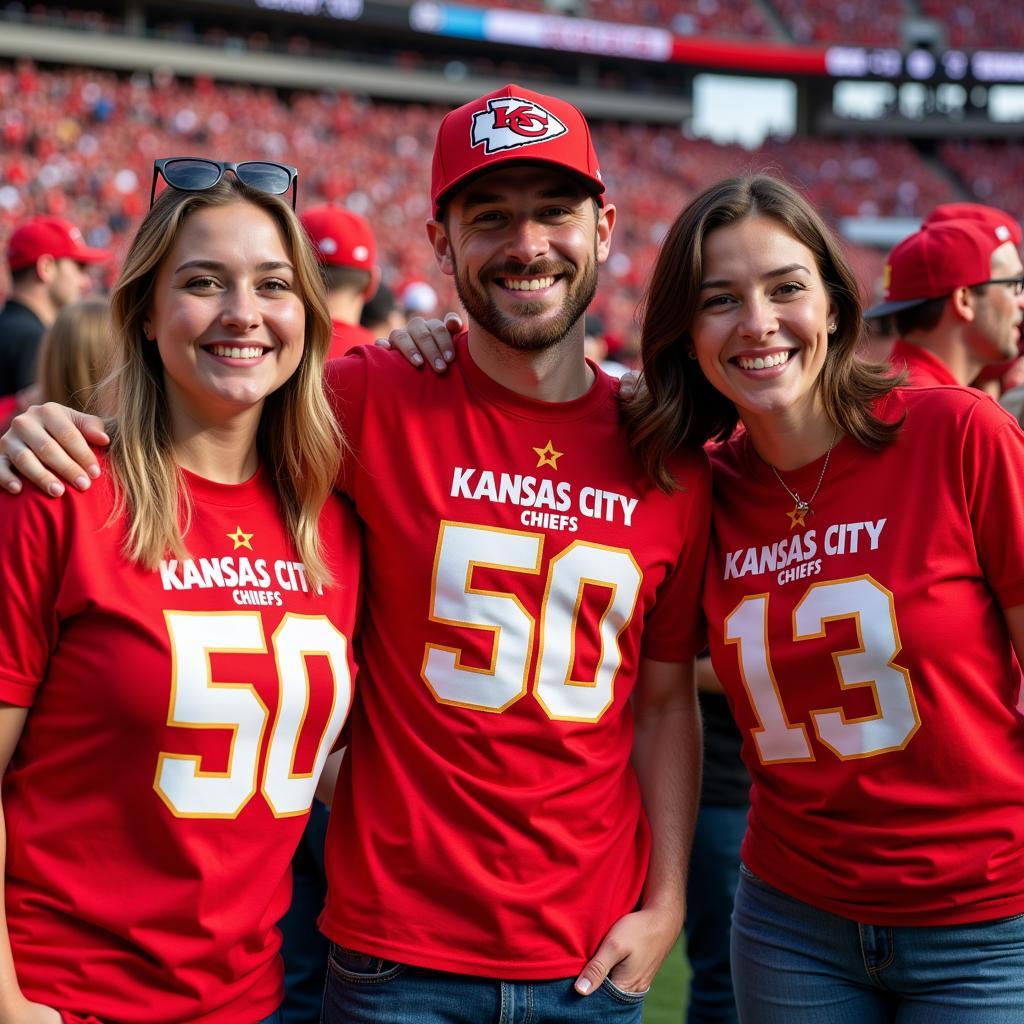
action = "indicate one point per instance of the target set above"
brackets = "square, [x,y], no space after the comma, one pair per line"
[667,1002]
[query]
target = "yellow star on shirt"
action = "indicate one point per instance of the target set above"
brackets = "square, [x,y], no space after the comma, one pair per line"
[798,517]
[240,539]
[547,456]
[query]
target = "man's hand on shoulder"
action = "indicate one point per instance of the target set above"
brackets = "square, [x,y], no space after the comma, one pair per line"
[426,341]
[48,445]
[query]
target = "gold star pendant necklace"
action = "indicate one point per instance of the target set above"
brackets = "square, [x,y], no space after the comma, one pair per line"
[801,508]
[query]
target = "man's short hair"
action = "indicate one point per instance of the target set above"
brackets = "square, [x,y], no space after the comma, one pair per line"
[923,317]
[345,279]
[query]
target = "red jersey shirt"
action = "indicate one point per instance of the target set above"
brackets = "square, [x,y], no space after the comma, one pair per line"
[179,719]
[867,661]
[488,820]
[924,368]
[346,336]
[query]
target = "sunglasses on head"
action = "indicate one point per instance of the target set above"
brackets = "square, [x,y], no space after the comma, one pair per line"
[197,174]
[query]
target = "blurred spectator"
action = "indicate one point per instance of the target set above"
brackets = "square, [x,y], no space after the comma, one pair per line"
[75,356]
[381,314]
[417,298]
[954,290]
[596,348]
[347,251]
[47,258]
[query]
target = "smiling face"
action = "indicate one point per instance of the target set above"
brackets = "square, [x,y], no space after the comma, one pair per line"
[226,314]
[523,245]
[760,332]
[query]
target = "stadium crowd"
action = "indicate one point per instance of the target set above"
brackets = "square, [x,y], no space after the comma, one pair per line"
[80,144]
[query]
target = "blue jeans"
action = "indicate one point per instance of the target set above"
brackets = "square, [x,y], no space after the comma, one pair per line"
[303,948]
[714,871]
[366,990]
[795,964]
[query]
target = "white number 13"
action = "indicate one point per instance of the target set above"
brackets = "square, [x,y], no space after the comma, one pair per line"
[870,605]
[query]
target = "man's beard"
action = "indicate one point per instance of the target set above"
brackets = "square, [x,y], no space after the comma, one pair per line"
[525,332]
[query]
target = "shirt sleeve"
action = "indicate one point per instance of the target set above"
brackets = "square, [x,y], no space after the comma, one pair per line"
[33,558]
[675,628]
[994,486]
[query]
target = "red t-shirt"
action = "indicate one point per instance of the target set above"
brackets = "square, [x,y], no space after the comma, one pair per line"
[488,820]
[869,667]
[924,368]
[178,721]
[346,336]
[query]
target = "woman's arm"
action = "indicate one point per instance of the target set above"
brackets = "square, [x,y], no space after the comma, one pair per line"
[14,1007]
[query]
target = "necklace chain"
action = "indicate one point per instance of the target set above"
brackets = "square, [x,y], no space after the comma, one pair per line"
[802,507]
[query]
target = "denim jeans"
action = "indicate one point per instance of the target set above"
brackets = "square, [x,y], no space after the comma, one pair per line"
[303,948]
[367,990]
[714,870]
[795,964]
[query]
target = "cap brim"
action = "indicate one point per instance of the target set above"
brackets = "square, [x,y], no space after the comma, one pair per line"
[592,185]
[888,308]
[91,255]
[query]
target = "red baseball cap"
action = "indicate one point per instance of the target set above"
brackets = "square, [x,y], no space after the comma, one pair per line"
[340,237]
[50,236]
[936,260]
[512,125]
[1008,226]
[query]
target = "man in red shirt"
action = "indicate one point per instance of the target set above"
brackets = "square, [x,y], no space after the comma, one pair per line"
[347,251]
[47,258]
[511,826]
[954,290]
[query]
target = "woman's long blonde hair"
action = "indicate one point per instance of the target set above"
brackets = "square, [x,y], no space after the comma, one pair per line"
[299,440]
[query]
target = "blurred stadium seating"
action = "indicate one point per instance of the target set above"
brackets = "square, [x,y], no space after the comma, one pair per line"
[81,144]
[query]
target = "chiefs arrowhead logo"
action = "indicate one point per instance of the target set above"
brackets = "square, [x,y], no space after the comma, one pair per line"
[509,122]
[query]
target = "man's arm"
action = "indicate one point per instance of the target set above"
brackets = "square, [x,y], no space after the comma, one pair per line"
[667,759]
[48,444]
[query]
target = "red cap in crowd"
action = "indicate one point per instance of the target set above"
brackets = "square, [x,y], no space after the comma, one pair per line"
[511,125]
[936,260]
[50,236]
[340,237]
[1004,224]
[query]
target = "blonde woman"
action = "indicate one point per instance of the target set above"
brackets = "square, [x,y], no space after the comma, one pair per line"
[75,354]
[177,664]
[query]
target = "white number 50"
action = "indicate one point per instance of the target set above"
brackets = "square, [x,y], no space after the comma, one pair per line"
[198,702]
[456,601]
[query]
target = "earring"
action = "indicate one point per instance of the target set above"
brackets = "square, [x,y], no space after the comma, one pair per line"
[691,354]
[832,328]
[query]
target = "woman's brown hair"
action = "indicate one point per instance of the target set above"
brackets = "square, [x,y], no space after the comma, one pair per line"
[675,404]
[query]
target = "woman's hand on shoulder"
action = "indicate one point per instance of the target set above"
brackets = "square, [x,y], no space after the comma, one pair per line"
[426,341]
[51,439]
